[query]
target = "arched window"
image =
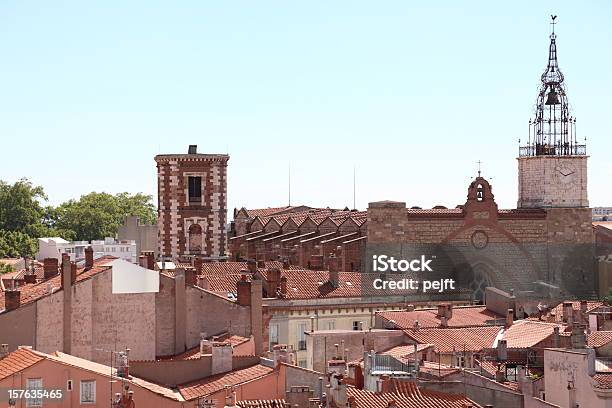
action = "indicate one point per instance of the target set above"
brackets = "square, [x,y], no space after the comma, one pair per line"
[195,238]
[480,193]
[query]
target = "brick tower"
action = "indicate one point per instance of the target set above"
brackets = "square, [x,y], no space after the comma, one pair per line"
[552,167]
[192,204]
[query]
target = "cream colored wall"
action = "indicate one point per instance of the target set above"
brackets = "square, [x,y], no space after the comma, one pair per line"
[341,318]
[540,184]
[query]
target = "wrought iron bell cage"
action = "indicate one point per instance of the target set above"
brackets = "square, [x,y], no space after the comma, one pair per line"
[552,131]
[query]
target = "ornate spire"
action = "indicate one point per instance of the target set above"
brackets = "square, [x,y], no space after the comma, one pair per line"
[552,132]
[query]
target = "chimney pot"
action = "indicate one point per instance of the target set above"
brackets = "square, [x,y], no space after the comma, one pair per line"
[509,317]
[4,350]
[50,267]
[12,299]
[89,257]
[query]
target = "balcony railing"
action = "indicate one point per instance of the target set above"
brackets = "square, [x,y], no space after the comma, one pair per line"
[552,150]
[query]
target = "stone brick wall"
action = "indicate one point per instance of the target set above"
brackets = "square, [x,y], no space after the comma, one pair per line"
[542,182]
[176,214]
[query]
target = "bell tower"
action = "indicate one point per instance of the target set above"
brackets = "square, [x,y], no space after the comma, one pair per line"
[552,166]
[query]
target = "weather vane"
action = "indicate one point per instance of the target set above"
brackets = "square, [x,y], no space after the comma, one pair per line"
[479,163]
[553,22]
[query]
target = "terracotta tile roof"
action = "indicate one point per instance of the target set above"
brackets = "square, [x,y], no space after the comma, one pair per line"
[456,339]
[599,338]
[277,403]
[33,291]
[463,316]
[301,283]
[407,395]
[264,212]
[528,333]
[604,380]
[18,360]
[214,383]
[558,310]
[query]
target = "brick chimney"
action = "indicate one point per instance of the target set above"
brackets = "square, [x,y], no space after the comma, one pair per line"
[252,266]
[142,261]
[578,337]
[89,257]
[243,289]
[150,259]
[261,263]
[556,338]
[50,267]
[568,313]
[12,299]
[332,265]
[190,277]
[29,278]
[283,286]
[286,263]
[502,350]
[509,317]
[197,265]
[444,321]
[274,278]
[73,272]
[441,309]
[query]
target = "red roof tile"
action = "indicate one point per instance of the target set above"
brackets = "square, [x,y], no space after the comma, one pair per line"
[604,380]
[599,338]
[407,395]
[528,333]
[462,316]
[33,291]
[277,403]
[214,383]
[18,360]
[456,339]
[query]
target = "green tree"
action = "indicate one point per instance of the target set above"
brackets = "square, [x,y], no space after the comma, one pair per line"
[608,298]
[20,206]
[5,268]
[99,215]
[15,244]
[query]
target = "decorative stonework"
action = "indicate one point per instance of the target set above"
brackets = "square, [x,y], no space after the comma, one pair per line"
[479,239]
[177,214]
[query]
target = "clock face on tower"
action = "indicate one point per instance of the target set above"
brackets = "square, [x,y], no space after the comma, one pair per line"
[565,175]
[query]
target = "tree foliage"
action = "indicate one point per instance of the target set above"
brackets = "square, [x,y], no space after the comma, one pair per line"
[24,218]
[99,215]
[15,244]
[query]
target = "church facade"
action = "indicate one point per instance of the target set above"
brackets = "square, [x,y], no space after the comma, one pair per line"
[545,245]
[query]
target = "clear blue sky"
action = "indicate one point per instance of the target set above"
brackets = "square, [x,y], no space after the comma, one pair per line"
[409,93]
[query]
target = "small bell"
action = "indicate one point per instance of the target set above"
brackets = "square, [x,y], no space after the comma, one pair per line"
[553,97]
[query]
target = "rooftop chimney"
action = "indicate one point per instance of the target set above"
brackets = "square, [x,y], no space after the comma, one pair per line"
[252,266]
[274,277]
[443,322]
[568,313]
[150,259]
[221,357]
[123,364]
[89,257]
[441,309]
[261,263]
[29,278]
[197,265]
[283,286]
[556,338]
[203,282]
[12,299]
[332,265]
[509,317]
[578,337]
[502,350]
[50,267]
[243,289]
[286,263]
[193,149]
[410,308]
